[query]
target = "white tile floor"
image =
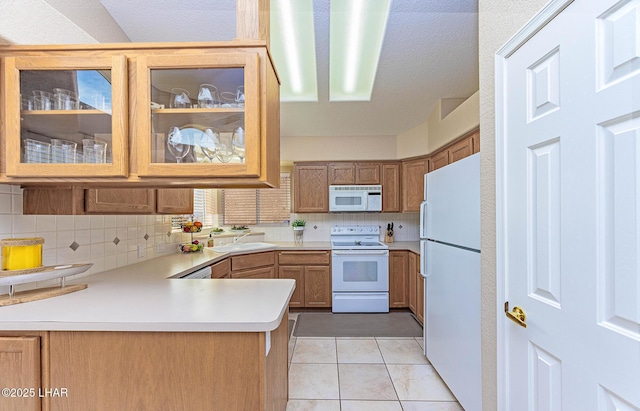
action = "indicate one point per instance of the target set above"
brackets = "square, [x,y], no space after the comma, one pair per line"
[364,374]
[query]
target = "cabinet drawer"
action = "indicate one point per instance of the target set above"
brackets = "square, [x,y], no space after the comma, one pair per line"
[243,262]
[221,269]
[304,257]
[264,272]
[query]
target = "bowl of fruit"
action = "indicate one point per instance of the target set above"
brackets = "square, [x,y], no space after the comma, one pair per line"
[192,247]
[192,227]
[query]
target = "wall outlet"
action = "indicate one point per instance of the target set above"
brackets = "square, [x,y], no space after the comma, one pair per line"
[160,247]
[141,251]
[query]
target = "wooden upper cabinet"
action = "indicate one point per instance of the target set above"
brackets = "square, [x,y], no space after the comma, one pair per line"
[174,201]
[342,173]
[367,173]
[438,160]
[413,172]
[120,201]
[475,137]
[311,188]
[346,173]
[78,201]
[174,140]
[143,137]
[46,104]
[459,149]
[391,187]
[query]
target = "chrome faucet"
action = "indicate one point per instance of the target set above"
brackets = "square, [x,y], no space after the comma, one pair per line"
[238,237]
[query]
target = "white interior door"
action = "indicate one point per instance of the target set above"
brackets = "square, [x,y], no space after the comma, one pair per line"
[569,214]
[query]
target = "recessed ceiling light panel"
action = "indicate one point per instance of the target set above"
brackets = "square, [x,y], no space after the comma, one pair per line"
[357,30]
[293,49]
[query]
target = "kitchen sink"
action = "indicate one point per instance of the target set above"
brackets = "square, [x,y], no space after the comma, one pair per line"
[242,247]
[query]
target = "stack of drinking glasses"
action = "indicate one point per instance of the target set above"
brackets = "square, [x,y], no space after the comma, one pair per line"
[94,151]
[63,151]
[36,151]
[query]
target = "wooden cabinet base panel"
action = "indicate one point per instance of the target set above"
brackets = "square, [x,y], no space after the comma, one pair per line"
[170,371]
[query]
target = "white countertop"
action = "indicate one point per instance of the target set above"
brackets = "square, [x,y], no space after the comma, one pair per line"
[141,297]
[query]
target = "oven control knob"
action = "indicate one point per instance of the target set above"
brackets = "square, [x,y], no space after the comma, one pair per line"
[359,229]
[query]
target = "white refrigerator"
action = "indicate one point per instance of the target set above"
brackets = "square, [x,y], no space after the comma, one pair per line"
[450,264]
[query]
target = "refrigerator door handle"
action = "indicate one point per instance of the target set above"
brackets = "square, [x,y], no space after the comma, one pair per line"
[423,219]
[423,259]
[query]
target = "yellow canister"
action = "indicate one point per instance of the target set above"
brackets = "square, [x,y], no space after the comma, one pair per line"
[21,253]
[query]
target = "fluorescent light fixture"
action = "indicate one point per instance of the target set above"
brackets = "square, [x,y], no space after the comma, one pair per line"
[356,32]
[293,49]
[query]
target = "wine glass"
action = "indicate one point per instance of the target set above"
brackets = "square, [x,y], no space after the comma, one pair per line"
[179,98]
[176,145]
[224,154]
[237,143]
[240,96]
[207,96]
[209,142]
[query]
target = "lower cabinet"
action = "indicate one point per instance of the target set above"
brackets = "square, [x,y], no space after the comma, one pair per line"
[294,272]
[264,272]
[258,265]
[416,287]
[312,272]
[398,279]
[221,269]
[21,372]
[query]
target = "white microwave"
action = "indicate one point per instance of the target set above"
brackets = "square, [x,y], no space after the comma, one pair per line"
[355,198]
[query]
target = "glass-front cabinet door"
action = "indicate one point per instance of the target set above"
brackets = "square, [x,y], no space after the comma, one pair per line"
[199,115]
[65,116]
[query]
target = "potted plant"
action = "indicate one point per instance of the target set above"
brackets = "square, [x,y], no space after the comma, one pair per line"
[298,230]
[298,225]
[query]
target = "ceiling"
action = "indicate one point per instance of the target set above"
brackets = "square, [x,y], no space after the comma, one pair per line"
[430,52]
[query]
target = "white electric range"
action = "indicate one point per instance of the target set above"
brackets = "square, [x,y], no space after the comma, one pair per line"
[360,270]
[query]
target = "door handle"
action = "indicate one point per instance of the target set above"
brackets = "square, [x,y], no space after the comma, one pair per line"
[517,315]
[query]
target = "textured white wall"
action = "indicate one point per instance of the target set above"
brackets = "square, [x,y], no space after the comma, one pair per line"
[414,142]
[462,119]
[338,148]
[57,22]
[434,133]
[498,21]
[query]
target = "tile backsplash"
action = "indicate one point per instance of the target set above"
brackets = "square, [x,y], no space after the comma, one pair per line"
[406,226]
[107,241]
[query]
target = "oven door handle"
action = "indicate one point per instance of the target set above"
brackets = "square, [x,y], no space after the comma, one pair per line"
[382,252]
